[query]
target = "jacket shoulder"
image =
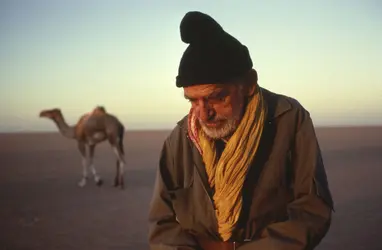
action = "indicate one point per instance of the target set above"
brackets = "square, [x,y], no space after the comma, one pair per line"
[290,108]
[178,132]
[294,105]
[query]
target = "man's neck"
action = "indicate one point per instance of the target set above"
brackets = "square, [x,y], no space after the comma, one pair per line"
[219,147]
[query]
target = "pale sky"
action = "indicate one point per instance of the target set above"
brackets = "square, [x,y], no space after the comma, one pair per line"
[125,54]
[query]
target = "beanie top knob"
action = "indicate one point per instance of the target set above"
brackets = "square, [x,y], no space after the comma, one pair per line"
[197,27]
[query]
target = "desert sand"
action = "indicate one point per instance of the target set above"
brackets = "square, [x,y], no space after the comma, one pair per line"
[42,207]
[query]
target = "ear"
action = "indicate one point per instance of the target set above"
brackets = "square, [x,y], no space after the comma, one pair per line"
[251,82]
[252,89]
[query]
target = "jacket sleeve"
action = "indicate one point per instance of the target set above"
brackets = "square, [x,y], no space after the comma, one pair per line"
[310,211]
[165,233]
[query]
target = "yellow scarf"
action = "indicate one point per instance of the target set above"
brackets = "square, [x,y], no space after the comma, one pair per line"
[227,174]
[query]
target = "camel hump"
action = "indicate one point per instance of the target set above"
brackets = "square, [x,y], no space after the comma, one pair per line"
[99,110]
[94,115]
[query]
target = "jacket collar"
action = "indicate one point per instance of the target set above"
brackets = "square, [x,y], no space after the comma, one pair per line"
[277,104]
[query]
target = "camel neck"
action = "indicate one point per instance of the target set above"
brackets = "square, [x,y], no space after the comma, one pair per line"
[64,128]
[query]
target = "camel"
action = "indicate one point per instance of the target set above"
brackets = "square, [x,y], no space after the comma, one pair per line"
[91,129]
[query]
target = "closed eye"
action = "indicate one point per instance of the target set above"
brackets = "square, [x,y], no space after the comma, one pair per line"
[189,99]
[218,96]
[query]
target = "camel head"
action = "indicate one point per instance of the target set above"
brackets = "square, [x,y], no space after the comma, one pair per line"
[52,114]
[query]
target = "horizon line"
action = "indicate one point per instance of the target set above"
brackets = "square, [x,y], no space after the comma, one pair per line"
[170,129]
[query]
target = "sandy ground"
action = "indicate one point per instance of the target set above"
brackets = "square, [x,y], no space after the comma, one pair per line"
[42,208]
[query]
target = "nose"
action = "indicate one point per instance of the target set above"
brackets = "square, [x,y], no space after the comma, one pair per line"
[205,112]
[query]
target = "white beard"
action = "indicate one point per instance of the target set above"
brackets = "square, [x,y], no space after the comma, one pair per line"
[221,132]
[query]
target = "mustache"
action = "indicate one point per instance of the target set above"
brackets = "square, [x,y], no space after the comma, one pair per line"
[217,118]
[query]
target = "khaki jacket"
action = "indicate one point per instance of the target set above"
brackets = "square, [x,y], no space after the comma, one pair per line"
[287,203]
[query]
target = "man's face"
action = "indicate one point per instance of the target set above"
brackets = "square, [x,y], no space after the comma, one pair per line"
[218,107]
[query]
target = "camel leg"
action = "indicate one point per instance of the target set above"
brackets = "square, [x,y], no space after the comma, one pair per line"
[116,179]
[97,178]
[119,180]
[82,149]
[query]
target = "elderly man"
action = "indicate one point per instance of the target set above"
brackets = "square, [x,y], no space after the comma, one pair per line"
[243,170]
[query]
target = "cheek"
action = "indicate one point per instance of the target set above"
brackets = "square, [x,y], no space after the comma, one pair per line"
[225,111]
[237,108]
[231,110]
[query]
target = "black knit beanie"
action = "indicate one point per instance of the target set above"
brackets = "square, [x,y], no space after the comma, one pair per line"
[212,56]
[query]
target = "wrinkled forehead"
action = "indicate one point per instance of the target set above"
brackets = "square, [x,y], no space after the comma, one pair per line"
[204,90]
